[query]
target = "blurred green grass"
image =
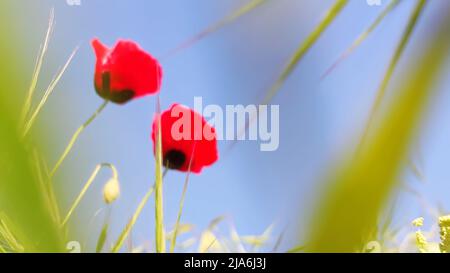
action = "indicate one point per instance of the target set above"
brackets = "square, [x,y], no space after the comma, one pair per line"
[348,213]
[23,203]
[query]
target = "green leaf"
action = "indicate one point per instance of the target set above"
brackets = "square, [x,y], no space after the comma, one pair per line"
[102,238]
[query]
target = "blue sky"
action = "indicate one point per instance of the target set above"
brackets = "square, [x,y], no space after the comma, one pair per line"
[319,119]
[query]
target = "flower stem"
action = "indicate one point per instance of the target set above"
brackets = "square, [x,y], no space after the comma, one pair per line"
[86,187]
[180,210]
[118,245]
[75,137]
[159,211]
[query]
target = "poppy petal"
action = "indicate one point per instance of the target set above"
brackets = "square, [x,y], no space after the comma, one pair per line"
[177,153]
[133,73]
[99,49]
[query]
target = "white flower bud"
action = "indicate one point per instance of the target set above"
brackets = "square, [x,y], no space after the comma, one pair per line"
[111,191]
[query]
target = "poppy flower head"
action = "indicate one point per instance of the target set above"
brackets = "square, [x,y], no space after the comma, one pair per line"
[125,71]
[189,143]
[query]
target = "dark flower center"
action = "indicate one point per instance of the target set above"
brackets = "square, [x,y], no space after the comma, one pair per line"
[174,159]
[105,91]
[121,97]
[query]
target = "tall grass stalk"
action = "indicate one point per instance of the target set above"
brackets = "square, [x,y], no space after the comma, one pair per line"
[406,37]
[159,210]
[253,4]
[104,232]
[7,236]
[75,137]
[21,195]
[304,47]
[298,55]
[46,186]
[180,210]
[361,38]
[38,67]
[47,93]
[86,187]
[125,233]
[127,230]
[357,193]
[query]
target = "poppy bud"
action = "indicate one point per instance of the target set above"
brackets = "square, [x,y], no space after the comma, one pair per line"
[125,72]
[111,191]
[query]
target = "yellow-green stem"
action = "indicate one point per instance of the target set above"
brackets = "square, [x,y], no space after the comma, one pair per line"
[47,186]
[37,69]
[47,94]
[180,211]
[243,10]
[75,137]
[159,211]
[304,47]
[393,64]
[119,243]
[361,38]
[86,187]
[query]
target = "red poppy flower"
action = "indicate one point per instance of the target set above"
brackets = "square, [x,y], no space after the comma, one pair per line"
[125,71]
[186,139]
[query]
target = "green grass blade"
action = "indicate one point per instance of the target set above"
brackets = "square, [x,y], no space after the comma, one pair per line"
[102,238]
[208,239]
[159,210]
[46,186]
[21,197]
[50,189]
[38,67]
[85,188]
[361,38]
[124,234]
[296,249]
[357,193]
[278,241]
[6,235]
[48,92]
[253,4]
[393,64]
[81,195]
[126,231]
[75,137]
[304,47]
[180,210]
